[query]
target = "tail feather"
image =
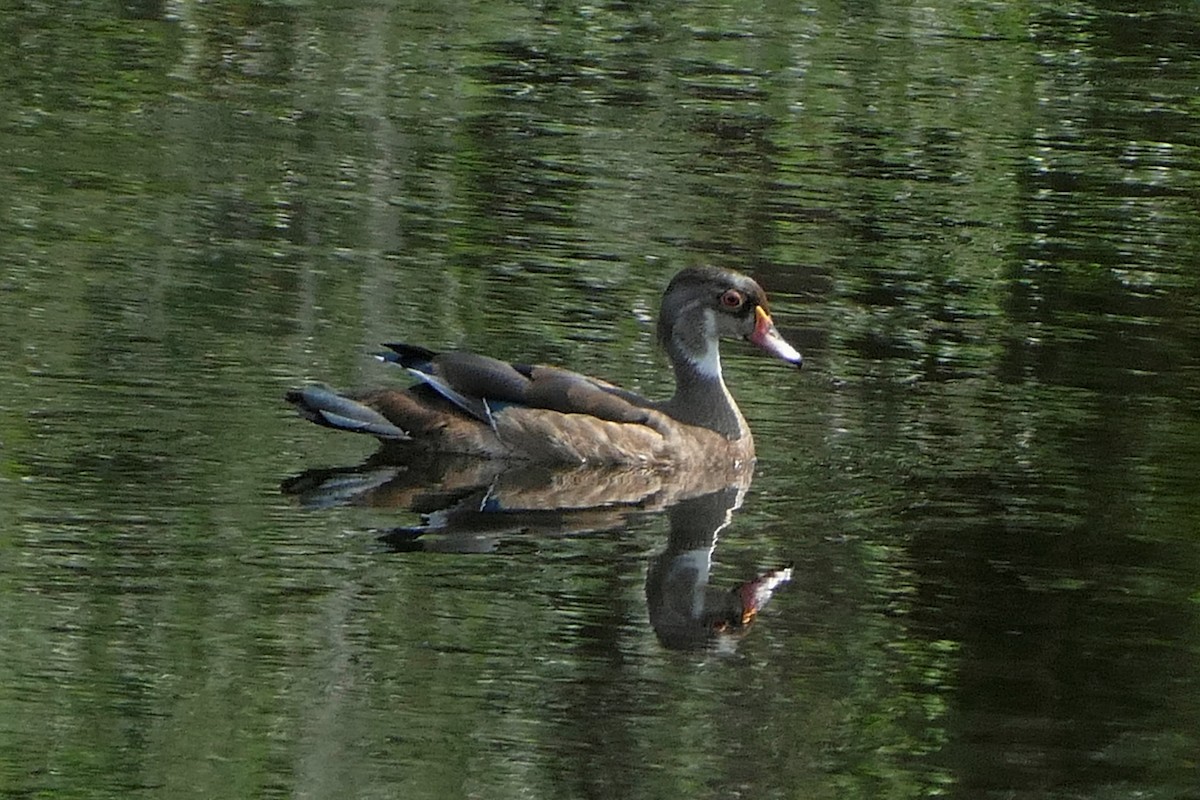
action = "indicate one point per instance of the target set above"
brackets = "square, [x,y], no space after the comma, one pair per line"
[322,405]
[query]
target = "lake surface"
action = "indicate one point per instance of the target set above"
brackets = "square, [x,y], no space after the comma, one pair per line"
[979,222]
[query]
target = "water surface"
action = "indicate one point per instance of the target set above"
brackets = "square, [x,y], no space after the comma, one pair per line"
[977,221]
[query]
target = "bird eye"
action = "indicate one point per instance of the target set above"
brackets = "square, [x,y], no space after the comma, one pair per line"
[732,299]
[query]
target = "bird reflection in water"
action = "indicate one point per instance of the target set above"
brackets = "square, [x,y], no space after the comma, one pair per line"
[472,505]
[685,610]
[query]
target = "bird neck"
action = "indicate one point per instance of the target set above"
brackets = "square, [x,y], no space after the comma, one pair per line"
[701,397]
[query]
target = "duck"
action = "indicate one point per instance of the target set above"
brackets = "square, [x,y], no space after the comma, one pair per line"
[468,404]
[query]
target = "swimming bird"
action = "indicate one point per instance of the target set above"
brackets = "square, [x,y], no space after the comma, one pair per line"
[470,404]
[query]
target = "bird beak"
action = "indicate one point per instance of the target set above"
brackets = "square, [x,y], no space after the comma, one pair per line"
[767,337]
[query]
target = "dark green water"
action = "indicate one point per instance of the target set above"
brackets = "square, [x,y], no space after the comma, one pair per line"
[979,221]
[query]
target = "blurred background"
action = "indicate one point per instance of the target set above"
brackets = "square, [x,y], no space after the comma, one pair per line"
[979,221]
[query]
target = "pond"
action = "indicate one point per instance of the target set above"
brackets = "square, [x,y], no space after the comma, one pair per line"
[965,562]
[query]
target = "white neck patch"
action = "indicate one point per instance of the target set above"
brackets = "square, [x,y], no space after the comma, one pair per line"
[708,363]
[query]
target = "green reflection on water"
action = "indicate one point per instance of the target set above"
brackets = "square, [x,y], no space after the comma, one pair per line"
[973,218]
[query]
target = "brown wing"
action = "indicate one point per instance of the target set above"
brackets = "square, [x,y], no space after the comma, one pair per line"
[571,393]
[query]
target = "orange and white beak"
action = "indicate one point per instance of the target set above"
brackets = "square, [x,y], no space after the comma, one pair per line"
[766,336]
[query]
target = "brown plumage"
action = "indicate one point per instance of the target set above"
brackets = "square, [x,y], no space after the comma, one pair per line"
[476,405]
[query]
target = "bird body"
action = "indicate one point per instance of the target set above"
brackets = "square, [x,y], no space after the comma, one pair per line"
[471,404]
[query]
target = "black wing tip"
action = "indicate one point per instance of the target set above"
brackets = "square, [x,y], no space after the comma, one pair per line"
[406,355]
